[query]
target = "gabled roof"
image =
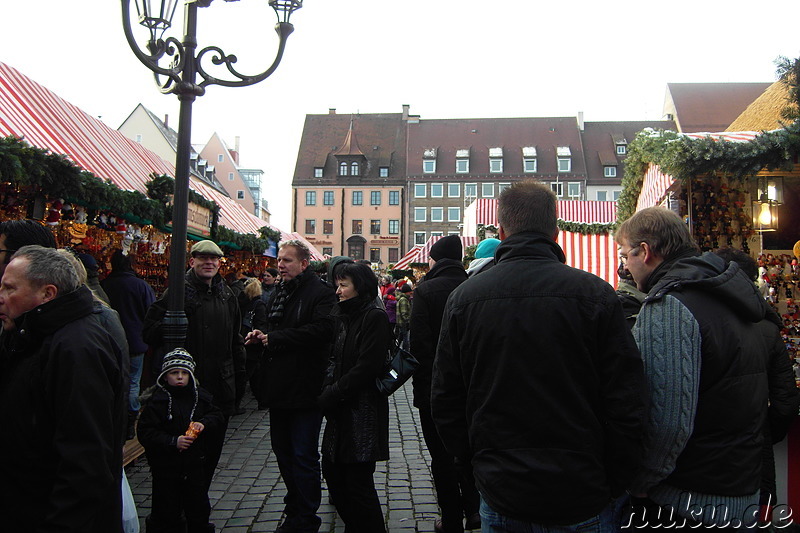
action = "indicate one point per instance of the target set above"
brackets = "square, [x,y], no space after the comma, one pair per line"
[764,114]
[709,106]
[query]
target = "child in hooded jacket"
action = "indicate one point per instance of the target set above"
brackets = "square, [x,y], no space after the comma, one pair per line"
[176,452]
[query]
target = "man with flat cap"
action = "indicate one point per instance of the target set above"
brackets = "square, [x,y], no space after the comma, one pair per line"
[212,336]
[455,488]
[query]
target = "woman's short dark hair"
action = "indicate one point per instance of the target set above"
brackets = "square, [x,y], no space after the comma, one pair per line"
[273,272]
[363,278]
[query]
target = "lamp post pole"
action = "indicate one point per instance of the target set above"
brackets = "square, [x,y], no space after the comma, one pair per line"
[180,78]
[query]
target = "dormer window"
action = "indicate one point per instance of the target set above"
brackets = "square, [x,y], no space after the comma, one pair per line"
[529,159]
[354,168]
[496,160]
[610,172]
[462,161]
[429,160]
[622,149]
[564,158]
[317,172]
[343,168]
[620,142]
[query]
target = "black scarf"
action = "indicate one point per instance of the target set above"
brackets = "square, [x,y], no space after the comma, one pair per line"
[284,290]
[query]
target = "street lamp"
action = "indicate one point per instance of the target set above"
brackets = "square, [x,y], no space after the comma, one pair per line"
[176,67]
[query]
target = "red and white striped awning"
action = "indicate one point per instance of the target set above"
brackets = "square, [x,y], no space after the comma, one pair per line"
[732,136]
[34,113]
[421,253]
[585,211]
[593,253]
[654,187]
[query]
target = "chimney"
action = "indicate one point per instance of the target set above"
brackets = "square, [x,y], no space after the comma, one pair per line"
[331,110]
[236,143]
[580,120]
[406,108]
[166,121]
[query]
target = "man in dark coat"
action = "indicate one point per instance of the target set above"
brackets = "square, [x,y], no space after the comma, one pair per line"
[537,379]
[212,337]
[455,487]
[131,297]
[63,400]
[297,345]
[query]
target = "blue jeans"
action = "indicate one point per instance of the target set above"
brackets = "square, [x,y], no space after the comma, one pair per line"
[136,378]
[294,434]
[492,522]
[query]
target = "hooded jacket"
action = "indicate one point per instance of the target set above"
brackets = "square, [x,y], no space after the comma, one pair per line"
[699,334]
[63,403]
[537,379]
[212,336]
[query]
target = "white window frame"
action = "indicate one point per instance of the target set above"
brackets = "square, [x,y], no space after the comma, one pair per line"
[457,217]
[526,162]
[423,187]
[615,195]
[622,149]
[610,171]
[437,234]
[435,211]
[558,188]
[220,158]
[394,227]
[417,235]
[456,187]
[604,198]
[312,195]
[567,160]
[570,189]
[462,166]
[470,185]
[428,166]
[424,214]
[383,172]
[230,176]
[485,187]
[495,165]
[434,186]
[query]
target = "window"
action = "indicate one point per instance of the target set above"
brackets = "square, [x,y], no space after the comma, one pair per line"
[529,165]
[429,166]
[374,254]
[462,166]
[437,214]
[437,234]
[230,176]
[564,164]
[454,214]
[327,251]
[394,197]
[343,169]
[311,226]
[420,237]
[602,196]
[317,172]
[327,227]
[394,227]
[220,158]
[610,172]
[453,190]
[622,149]
[358,198]
[420,190]
[311,197]
[495,165]
[375,227]
[487,190]
[240,195]
[437,190]
[354,168]
[375,198]
[139,138]
[616,195]
[502,186]
[420,214]
[574,190]
[383,172]
[355,250]
[557,188]
[327,198]
[357,226]
[394,255]
[470,190]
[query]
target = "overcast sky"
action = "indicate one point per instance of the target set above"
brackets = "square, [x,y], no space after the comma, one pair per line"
[445,58]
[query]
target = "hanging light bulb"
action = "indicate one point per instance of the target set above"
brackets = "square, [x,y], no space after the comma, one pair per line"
[765,216]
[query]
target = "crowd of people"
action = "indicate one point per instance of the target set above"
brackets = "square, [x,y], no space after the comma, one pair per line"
[548,401]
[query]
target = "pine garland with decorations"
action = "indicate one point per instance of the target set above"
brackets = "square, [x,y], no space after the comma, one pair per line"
[685,158]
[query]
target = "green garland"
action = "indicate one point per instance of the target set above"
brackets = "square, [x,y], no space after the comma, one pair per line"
[685,158]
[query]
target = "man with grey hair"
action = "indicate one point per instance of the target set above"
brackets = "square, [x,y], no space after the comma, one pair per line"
[546,403]
[63,399]
[296,348]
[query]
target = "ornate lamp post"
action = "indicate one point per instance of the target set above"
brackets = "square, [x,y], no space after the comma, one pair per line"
[176,67]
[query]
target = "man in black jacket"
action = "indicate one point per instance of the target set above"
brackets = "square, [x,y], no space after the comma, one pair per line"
[63,401]
[296,349]
[537,379]
[213,336]
[455,487]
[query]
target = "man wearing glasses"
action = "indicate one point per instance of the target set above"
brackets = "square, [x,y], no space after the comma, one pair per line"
[212,336]
[703,355]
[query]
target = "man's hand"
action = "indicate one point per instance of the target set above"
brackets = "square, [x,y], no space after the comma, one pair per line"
[255,336]
[184,442]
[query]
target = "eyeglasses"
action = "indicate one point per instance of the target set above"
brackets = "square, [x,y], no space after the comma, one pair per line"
[624,257]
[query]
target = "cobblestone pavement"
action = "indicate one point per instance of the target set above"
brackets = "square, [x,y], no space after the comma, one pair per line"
[247,492]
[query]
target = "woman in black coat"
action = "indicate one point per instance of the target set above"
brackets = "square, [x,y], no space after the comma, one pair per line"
[254,316]
[357,430]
